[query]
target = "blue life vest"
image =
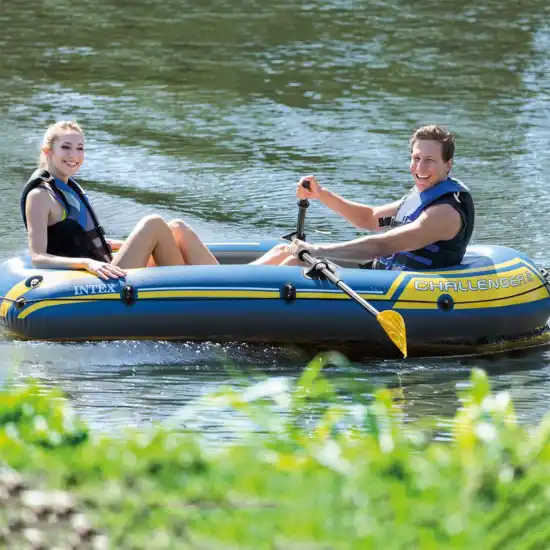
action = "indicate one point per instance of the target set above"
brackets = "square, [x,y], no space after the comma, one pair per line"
[78,234]
[440,254]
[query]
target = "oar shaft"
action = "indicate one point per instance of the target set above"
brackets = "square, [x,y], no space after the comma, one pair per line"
[352,294]
[302,208]
[340,284]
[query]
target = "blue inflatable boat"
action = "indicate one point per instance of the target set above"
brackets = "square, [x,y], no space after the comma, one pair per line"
[495,299]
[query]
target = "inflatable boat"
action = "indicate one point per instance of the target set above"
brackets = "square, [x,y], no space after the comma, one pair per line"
[495,299]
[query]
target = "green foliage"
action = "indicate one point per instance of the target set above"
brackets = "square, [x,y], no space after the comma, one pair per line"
[314,476]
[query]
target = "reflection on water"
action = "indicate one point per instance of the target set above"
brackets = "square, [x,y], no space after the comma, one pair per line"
[121,384]
[210,111]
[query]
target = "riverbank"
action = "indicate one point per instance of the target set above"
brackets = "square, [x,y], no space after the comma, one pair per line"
[319,476]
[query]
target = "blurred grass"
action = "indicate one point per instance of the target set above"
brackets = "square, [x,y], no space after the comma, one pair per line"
[353,478]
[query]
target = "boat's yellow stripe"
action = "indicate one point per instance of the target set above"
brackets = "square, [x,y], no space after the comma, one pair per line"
[539,294]
[251,294]
[534,295]
[51,280]
[395,285]
[76,300]
[416,294]
[209,293]
[316,295]
[516,286]
[14,292]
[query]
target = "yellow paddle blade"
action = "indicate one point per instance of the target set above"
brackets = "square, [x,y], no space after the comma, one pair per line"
[394,325]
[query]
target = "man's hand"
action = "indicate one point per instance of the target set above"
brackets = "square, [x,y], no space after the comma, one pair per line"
[311,193]
[297,246]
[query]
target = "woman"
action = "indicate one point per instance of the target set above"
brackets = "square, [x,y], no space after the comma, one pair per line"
[63,229]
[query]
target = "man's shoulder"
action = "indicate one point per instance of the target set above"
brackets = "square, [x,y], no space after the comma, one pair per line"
[460,188]
[443,207]
[455,198]
[443,220]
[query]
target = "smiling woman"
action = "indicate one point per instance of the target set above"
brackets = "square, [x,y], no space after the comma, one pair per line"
[64,231]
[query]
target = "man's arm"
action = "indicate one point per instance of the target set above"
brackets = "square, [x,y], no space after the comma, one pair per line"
[440,222]
[360,215]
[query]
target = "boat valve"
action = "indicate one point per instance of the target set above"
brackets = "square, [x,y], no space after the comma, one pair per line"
[445,302]
[128,295]
[288,292]
[34,281]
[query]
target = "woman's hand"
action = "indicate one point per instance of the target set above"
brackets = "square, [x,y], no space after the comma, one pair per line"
[311,193]
[103,270]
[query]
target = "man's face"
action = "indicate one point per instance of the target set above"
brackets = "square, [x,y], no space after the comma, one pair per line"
[427,165]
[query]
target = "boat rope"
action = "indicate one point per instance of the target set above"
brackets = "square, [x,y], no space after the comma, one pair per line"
[131,296]
[545,272]
[127,295]
[22,301]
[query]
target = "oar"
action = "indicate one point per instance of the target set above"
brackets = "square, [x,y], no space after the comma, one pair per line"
[303,205]
[391,321]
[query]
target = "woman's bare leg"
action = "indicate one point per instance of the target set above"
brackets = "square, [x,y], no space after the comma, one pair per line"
[193,250]
[151,237]
[278,255]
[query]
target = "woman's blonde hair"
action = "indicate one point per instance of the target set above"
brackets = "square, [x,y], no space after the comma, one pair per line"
[52,133]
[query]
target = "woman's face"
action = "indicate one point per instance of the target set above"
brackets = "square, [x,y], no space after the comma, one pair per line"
[66,154]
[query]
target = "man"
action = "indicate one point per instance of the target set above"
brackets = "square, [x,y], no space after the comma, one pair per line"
[429,228]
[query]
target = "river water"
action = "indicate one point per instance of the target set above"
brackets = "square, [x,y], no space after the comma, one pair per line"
[211,110]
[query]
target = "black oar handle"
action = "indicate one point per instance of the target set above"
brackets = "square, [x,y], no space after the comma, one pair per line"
[303,205]
[302,208]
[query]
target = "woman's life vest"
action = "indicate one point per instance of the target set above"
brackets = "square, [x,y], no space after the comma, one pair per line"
[78,234]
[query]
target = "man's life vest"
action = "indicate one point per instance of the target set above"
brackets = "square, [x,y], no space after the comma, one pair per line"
[440,254]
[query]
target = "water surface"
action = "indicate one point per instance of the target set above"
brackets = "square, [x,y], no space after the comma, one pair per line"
[211,111]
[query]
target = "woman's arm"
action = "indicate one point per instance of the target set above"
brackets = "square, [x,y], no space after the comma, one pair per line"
[38,209]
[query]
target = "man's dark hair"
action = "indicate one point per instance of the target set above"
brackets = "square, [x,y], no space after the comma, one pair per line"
[436,133]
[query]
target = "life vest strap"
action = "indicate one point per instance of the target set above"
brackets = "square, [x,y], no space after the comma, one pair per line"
[385,222]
